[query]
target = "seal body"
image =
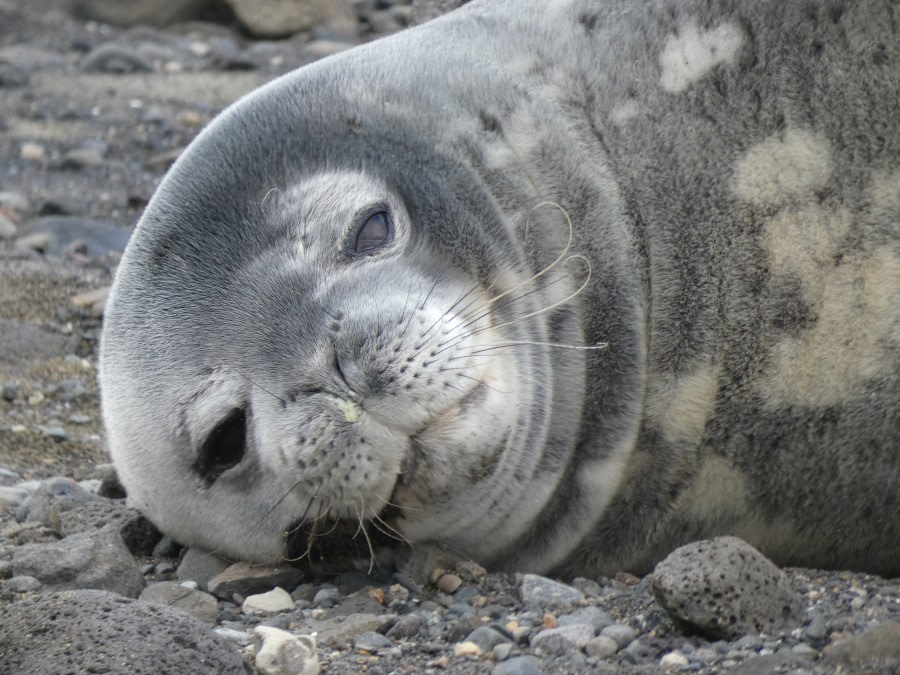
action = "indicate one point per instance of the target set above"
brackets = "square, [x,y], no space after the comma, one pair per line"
[372,297]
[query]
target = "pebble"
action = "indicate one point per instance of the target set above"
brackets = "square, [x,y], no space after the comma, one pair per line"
[519,665]
[620,633]
[112,58]
[327,597]
[281,653]
[370,641]
[22,584]
[538,591]
[275,601]
[240,637]
[564,639]
[8,228]
[198,604]
[601,647]
[673,660]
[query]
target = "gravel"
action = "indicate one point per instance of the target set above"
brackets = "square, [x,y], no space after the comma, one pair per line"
[91,115]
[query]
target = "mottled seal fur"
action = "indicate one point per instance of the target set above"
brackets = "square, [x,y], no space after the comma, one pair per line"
[371,297]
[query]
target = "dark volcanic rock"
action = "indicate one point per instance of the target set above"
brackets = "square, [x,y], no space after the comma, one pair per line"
[100,632]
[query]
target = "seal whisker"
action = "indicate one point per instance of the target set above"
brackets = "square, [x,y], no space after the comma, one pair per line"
[549,267]
[258,386]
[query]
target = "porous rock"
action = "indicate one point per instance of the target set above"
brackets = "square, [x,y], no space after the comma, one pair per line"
[91,631]
[138,533]
[725,588]
[95,560]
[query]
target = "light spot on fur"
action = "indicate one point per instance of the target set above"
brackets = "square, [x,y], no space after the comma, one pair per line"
[682,405]
[853,295]
[885,193]
[782,167]
[623,113]
[718,493]
[806,241]
[719,501]
[691,54]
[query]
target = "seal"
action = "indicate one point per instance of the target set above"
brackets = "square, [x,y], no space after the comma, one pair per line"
[558,286]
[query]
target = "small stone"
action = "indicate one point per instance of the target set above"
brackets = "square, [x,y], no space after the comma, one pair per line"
[803,649]
[518,665]
[246,579]
[275,601]
[593,616]
[22,584]
[339,632]
[449,583]
[817,629]
[673,660]
[281,653]
[486,638]
[239,637]
[503,651]
[538,591]
[200,566]
[407,627]
[57,434]
[619,632]
[33,152]
[467,649]
[198,604]
[601,647]
[8,228]
[81,158]
[328,596]
[370,641]
[559,641]
[90,298]
[110,58]
[10,391]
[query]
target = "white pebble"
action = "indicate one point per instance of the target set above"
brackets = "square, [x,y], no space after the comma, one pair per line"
[673,660]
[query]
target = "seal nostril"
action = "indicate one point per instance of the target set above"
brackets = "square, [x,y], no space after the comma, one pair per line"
[224,448]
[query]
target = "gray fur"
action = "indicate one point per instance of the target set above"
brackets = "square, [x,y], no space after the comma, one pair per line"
[732,173]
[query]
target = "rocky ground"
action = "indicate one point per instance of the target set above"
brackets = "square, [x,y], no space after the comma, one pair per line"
[91,115]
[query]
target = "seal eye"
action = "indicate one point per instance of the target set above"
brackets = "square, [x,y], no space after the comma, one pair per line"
[375,231]
[224,447]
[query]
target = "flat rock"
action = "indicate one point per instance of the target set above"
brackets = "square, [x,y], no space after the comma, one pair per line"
[91,560]
[99,632]
[538,591]
[201,566]
[248,579]
[725,588]
[272,602]
[202,606]
[876,650]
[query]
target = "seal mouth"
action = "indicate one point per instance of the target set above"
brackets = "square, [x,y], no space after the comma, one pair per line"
[334,545]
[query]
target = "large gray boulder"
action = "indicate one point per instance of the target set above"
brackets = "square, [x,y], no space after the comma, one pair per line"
[100,632]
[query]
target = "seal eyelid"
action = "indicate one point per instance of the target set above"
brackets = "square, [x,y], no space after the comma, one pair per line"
[224,447]
[374,229]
